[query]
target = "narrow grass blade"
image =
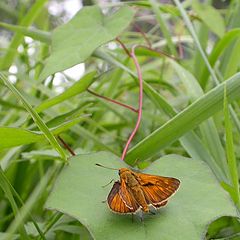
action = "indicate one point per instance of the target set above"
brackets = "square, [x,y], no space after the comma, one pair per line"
[31,15]
[30,32]
[207,128]
[26,209]
[232,164]
[5,185]
[77,88]
[185,121]
[194,35]
[221,45]
[163,27]
[42,126]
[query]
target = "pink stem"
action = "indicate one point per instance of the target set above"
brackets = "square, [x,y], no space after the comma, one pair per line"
[113,101]
[140,100]
[123,46]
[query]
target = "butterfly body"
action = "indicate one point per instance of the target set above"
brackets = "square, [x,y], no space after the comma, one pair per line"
[134,187]
[138,191]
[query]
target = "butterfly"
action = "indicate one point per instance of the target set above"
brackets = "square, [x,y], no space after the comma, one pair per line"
[137,191]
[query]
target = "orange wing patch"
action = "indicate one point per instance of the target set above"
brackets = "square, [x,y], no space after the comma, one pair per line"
[117,204]
[157,190]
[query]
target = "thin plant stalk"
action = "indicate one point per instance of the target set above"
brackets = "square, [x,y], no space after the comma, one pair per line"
[113,101]
[140,100]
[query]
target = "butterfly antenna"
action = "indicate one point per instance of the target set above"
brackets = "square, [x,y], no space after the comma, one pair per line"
[99,165]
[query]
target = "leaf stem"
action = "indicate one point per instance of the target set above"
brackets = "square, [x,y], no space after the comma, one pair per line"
[143,35]
[123,46]
[113,101]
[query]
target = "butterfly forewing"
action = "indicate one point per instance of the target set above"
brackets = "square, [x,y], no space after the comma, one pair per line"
[157,189]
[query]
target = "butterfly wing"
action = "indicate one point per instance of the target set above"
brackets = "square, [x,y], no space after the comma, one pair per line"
[116,202]
[157,189]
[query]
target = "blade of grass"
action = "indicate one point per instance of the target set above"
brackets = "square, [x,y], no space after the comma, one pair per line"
[42,126]
[232,164]
[20,136]
[55,217]
[26,209]
[207,128]
[36,34]
[233,60]
[186,120]
[194,35]
[221,45]
[28,19]
[163,27]
[77,88]
[199,47]
[7,190]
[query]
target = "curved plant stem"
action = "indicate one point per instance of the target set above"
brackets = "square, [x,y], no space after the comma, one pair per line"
[123,46]
[144,35]
[139,73]
[113,101]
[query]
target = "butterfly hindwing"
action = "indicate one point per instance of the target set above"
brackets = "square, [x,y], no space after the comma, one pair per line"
[116,202]
[127,196]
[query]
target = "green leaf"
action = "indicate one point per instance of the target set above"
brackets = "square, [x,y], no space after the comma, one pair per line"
[78,192]
[208,129]
[26,21]
[86,31]
[31,32]
[219,48]
[233,168]
[12,137]
[185,121]
[77,88]
[31,201]
[211,17]
[39,122]
[232,64]
[16,137]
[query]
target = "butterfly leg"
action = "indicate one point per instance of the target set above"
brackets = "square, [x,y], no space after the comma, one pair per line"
[104,201]
[141,216]
[153,213]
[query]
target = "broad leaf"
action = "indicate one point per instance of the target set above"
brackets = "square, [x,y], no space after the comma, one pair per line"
[78,192]
[75,41]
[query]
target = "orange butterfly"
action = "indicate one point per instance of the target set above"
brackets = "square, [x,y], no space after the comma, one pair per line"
[137,191]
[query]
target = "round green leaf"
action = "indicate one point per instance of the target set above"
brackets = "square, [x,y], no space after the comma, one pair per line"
[78,192]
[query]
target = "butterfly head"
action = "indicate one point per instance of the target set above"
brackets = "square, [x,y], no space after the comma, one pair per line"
[122,170]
